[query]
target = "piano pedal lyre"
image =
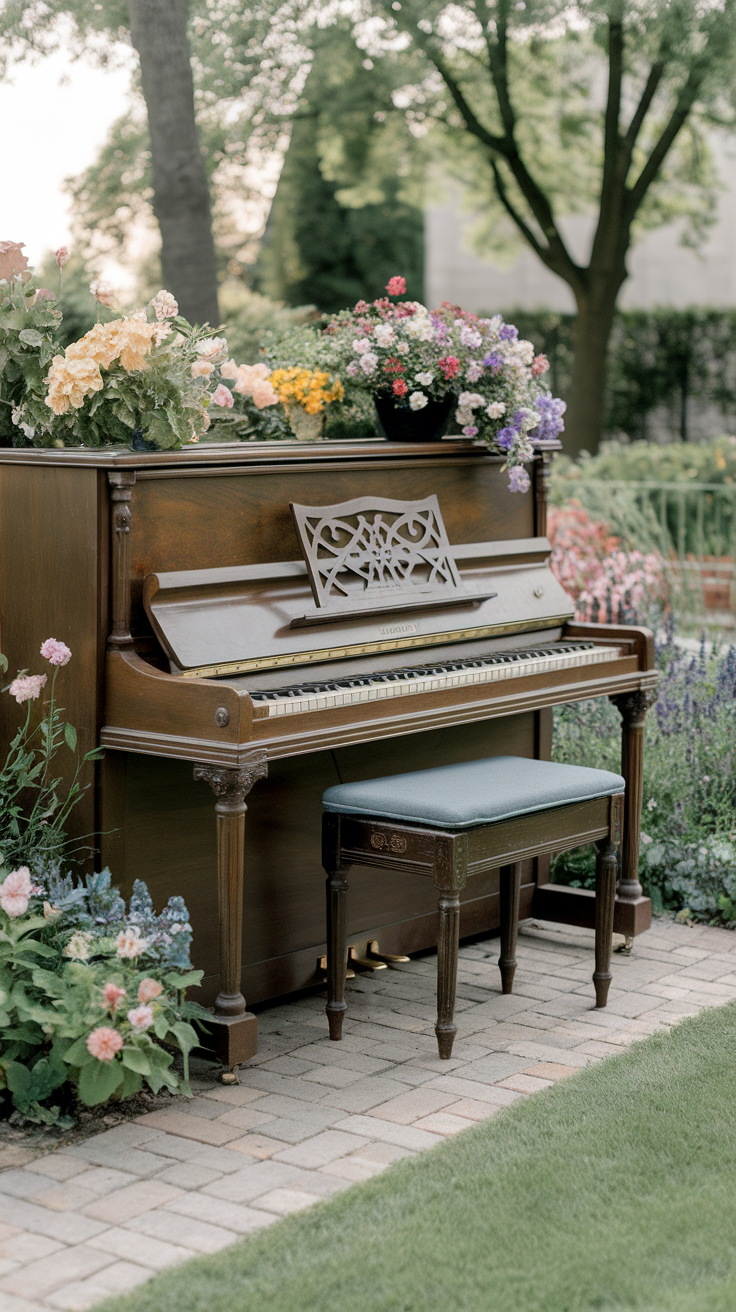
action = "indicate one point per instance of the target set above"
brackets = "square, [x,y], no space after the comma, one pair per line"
[367,962]
[322,968]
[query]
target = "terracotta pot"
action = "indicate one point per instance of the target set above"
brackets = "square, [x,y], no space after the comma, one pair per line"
[399,423]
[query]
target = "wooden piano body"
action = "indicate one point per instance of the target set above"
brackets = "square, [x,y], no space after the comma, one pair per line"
[81,531]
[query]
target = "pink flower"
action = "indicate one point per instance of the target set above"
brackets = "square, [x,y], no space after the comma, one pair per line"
[148,989]
[103,1043]
[103,292]
[264,394]
[165,306]
[540,365]
[229,369]
[43,294]
[470,430]
[55,652]
[15,891]
[223,396]
[141,1018]
[61,256]
[12,259]
[27,687]
[400,388]
[112,995]
[396,286]
[202,369]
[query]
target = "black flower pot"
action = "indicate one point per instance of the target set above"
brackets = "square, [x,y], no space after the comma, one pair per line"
[399,423]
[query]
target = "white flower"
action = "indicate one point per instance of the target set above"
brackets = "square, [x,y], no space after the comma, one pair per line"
[495,324]
[470,337]
[425,379]
[384,334]
[141,1018]
[464,417]
[129,943]
[417,400]
[496,409]
[474,371]
[521,353]
[361,345]
[213,346]
[403,348]
[368,362]
[353,368]
[78,946]
[470,400]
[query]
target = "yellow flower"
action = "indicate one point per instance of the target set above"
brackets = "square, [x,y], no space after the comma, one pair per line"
[101,343]
[70,381]
[137,338]
[306,387]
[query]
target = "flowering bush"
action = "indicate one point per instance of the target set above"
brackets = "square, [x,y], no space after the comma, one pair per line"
[404,351]
[688,857]
[29,321]
[608,585]
[89,992]
[310,388]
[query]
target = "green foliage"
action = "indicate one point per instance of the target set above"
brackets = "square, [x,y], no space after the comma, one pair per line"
[28,341]
[247,316]
[642,462]
[687,857]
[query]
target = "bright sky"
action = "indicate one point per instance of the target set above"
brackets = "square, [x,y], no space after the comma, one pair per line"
[54,115]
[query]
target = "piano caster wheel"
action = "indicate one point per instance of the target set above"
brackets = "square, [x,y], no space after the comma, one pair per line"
[229,1077]
[625,948]
[391,959]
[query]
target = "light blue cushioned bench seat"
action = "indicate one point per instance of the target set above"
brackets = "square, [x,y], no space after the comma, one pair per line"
[472,792]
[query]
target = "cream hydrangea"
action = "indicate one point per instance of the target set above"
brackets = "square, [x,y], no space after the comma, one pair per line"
[70,381]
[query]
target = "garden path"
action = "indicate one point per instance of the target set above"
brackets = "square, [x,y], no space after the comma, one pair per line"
[309,1117]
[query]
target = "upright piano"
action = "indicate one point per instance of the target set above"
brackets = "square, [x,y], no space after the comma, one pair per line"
[207,672]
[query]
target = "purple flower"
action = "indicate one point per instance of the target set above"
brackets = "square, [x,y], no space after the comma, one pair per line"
[493,360]
[470,430]
[519,480]
[508,333]
[551,424]
[506,438]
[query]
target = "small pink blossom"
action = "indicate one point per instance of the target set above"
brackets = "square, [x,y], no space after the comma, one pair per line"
[61,256]
[165,305]
[55,652]
[15,892]
[141,1018]
[103,1043]
[112,995]
[148,989]
[540,365]
[27,687]
[396,286]
[229,369]
[103,292]
[223,396]
[43,294]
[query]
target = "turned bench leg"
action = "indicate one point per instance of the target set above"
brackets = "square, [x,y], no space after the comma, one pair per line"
[510,891]
[448,942]
[337,949]
[605,897]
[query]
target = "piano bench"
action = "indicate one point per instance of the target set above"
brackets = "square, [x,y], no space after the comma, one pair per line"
[462,820]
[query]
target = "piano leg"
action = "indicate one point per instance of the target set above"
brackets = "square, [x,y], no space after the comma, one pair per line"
[234,1030]
[337,923]
[448,941]
[605,897]
[633,707]
[510,891]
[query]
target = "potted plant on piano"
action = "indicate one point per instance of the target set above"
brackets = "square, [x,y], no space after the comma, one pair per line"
[423,369]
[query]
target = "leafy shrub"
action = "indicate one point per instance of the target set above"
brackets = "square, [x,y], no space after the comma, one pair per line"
[642,462]
[689,815]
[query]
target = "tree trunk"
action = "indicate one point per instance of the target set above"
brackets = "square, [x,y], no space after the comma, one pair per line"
[586,398]
[181,193]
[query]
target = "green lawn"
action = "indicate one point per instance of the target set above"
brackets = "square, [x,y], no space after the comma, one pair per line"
[614,1190]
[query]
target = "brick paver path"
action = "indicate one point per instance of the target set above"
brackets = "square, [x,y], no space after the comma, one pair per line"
[310,1117]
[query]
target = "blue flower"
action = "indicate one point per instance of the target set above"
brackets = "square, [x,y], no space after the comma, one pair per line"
[508,333]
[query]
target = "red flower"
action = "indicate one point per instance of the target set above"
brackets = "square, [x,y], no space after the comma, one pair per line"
[449,365]
[394,366]
[400,387]
[396,286]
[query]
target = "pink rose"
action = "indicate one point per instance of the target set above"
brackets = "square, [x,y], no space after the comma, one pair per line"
[148,989]
[540,365]
[12,259]
[55,652]
[222,396]
[141,1018]
[263,394]
[103,292]
[112,995]
[103,1043]
[15,892]
[61,256]
[229,369]
[27,687]
[396,286]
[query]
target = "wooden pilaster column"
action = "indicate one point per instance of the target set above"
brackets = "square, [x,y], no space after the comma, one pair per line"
[238,1036]
[632,707]
[121,483]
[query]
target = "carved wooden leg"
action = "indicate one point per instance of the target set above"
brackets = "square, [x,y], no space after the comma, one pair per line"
[632,707]
[337,923]
[510,889]
[605,897]
[237,1039]
[447,946]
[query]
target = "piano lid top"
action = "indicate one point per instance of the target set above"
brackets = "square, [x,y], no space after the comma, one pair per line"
[245,618]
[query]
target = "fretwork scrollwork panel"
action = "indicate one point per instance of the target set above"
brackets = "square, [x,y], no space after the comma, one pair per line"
[374,548]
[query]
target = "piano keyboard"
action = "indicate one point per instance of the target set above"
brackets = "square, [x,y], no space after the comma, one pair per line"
[321,696]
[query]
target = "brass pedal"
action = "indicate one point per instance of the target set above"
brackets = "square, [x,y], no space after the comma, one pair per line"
[625,948]
[368,963]
[375,954]
[322,965]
